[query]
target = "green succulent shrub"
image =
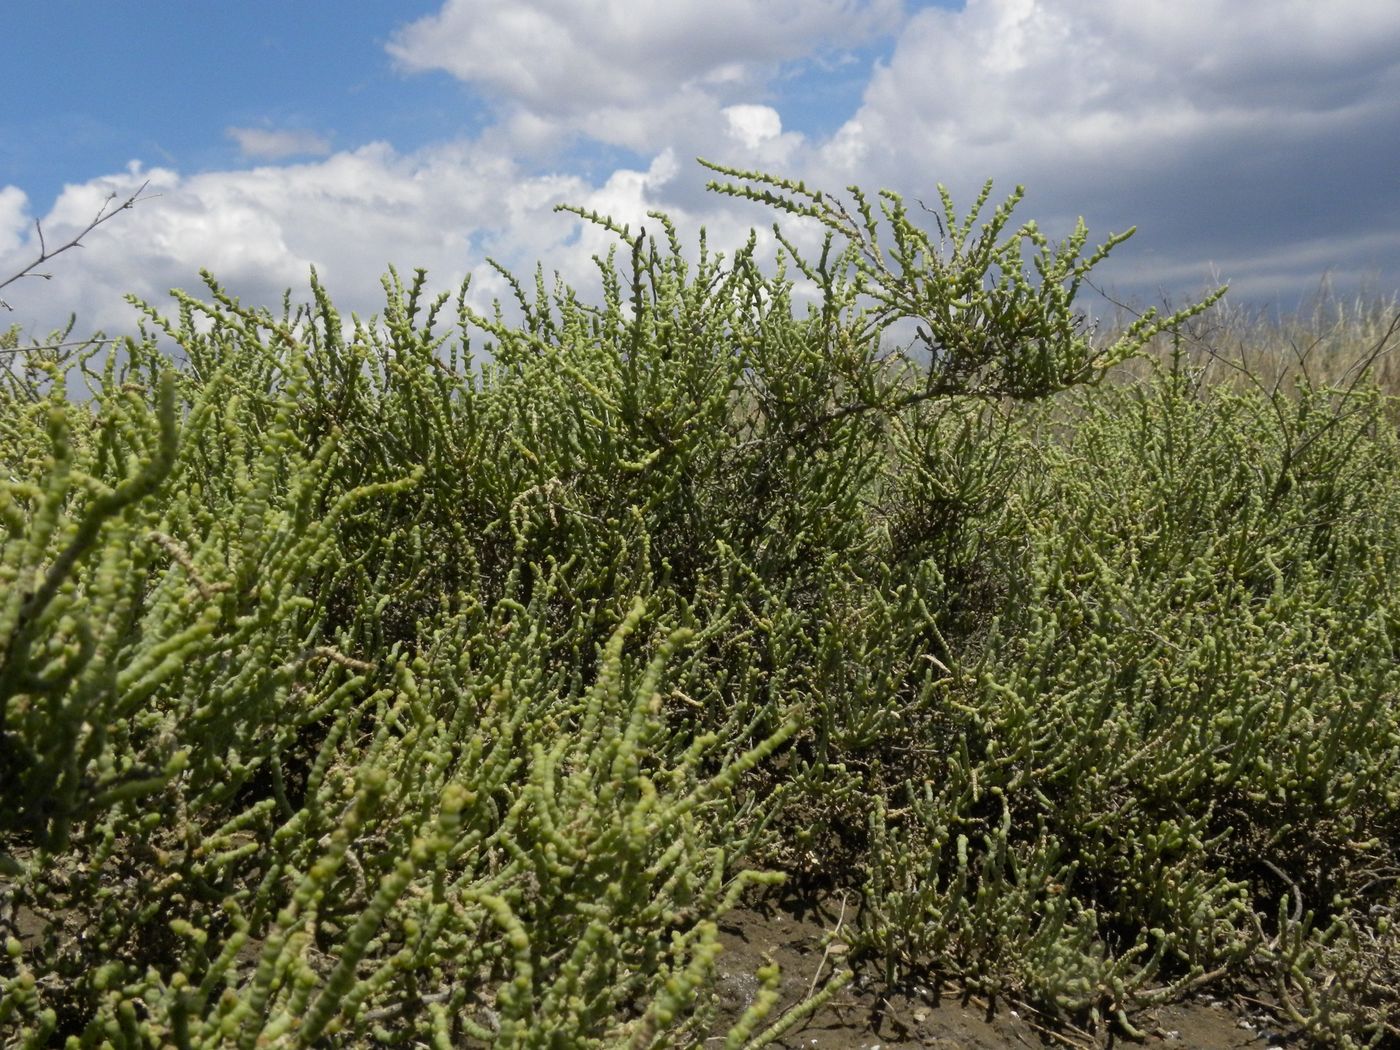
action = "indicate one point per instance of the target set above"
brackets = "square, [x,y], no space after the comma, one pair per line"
[438,678]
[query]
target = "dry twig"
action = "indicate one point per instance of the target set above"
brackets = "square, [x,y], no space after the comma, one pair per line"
[45,254]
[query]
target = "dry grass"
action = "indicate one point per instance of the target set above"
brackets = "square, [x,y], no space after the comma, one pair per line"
[1330,343]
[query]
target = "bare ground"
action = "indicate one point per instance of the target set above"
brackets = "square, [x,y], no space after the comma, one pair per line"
[803,938]
[864,1016]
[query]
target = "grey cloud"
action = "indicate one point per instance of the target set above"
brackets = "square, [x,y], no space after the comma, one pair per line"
[1250,139]
[266,144]
[1229,133]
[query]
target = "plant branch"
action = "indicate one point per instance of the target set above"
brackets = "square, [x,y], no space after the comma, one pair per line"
[102,216]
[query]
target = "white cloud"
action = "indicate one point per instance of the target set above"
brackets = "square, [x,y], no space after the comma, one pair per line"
[624,73]
[445,208]
[566,56]
[753,125]
[1246,133]
[1200,121]
[643,128]
[627,196]
[260,231]
[265,144]
[1031,84]
[14,218]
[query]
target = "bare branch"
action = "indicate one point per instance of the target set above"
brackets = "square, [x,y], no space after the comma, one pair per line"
[58,346]
[102,216]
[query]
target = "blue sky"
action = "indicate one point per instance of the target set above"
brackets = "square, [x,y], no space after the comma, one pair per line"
[314,67]
[97,84]
[1253,140]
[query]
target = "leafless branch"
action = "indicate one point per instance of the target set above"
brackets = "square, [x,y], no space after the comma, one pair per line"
[56,346]
[45,254]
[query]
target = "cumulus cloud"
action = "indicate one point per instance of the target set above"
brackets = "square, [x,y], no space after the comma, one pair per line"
[623,73]
[1009,78]
[753,125]
[265,144]
[350,216]
[567,56]
[1204,122]
[1252,138]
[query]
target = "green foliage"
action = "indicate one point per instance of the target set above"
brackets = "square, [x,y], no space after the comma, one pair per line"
[989,328]
[1184,715]
[361,686]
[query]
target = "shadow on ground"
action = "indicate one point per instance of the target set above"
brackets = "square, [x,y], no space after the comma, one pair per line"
[804,940]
